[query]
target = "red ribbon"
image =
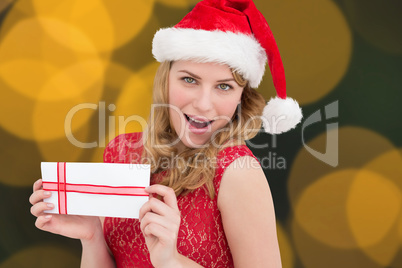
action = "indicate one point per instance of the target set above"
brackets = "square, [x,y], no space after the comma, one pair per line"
[62,187]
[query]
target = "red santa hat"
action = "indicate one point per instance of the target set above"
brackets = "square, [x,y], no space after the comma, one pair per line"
[235,33]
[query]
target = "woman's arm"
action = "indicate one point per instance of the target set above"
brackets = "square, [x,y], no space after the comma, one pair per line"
[95,252]
[248,215]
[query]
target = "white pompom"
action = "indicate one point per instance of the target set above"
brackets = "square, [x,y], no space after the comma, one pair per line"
[281,115]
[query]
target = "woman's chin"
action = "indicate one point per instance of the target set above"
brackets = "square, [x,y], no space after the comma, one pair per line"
[194,142]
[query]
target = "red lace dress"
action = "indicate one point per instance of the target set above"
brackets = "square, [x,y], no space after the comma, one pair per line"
[201,236]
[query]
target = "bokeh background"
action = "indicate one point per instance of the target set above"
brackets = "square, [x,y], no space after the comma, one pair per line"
[55,55]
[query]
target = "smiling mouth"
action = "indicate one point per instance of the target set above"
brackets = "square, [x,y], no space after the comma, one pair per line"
[197,123]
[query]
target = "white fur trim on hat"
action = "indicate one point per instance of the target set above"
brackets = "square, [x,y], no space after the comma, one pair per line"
[281,115]
[241,52]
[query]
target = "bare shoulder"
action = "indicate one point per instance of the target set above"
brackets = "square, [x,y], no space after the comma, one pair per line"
[243,175]
[248,214]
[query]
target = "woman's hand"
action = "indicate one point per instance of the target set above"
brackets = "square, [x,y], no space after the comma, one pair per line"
[160,222]
[79,227]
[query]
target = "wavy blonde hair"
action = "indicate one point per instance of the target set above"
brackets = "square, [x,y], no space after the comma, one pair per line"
[184,172]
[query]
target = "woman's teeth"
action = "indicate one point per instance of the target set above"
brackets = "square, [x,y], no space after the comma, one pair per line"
[197,123]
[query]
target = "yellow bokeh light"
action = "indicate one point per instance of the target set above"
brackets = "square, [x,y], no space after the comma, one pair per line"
[355,207]
[174,3]
[313,253]
[116,75]
[285,246]
[28,39]
[400,217]
[44,80]
[400,229]
[44,120]
[353,141]
[54,120]
[45,70]
[62,150]
[73,81]
[108,24]
[134,102]
[68,35]
[35,73]
[315,42]
[42,256]
[388,164]
[373,206]
[321,210]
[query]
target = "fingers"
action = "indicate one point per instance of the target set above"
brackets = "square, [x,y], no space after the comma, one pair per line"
[160,209]
[38,196]
[154,219]
[42,220]
[167,193]
[154,205]
[165,229]
[37,185]
[160,218]
[159,231]
[39,208]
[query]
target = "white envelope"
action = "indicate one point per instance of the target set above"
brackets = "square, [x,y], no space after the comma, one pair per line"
[96,189]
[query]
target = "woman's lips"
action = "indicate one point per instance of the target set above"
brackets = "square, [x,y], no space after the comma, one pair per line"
[198,122]
[197,125]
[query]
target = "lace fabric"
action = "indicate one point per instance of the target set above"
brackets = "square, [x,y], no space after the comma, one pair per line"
[201,236]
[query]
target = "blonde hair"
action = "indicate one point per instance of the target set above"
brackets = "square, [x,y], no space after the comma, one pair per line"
[184,174]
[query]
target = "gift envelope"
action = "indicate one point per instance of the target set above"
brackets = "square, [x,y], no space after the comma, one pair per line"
[96,189]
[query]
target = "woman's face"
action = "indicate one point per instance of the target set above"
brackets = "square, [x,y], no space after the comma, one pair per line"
[202,99]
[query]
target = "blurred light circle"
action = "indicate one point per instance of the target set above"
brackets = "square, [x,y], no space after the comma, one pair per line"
[353,141]
[175,3]
[315,43]
[43,257]
[108,24]
[373,207]
[62,149]
[134,102]
[312,253]
[285,246]
[321,209]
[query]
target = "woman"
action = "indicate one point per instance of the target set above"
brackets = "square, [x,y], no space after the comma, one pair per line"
[210,203]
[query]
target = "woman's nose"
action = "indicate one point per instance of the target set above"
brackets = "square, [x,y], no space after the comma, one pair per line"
[203,100]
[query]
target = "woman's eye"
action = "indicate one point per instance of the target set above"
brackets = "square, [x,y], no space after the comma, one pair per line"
[189,80]
[224,87]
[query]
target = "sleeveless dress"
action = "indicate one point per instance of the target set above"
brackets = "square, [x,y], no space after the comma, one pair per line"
[201,236]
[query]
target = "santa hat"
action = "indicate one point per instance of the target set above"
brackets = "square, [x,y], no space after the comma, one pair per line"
[235,33]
